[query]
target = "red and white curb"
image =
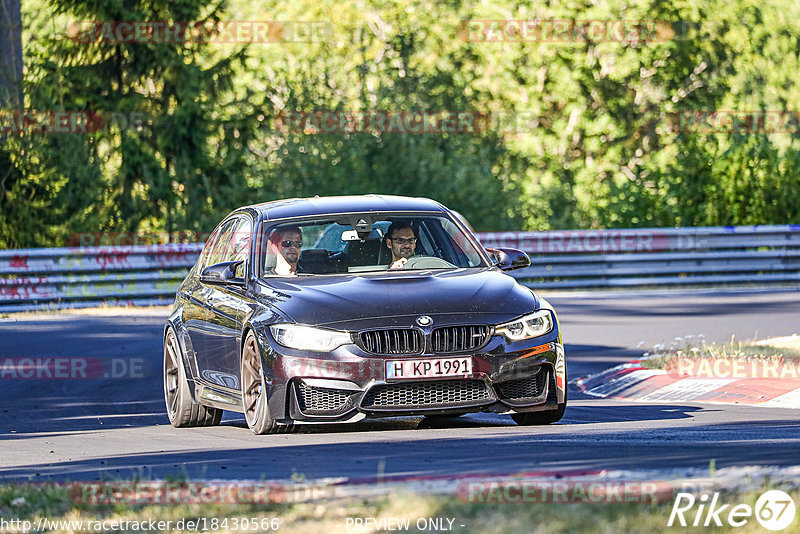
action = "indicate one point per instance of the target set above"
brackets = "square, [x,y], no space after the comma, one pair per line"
[631,381]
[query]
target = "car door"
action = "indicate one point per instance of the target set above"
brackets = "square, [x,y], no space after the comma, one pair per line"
[228,305]
[197,314]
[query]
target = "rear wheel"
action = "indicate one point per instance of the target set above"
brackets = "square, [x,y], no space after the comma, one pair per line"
[181,410]
[254,391]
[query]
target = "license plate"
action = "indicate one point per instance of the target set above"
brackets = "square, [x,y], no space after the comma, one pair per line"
[432,368]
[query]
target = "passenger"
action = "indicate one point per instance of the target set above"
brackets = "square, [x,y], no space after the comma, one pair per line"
[402,241]
[283,250]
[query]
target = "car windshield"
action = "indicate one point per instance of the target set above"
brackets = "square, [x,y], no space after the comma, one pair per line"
[365,243]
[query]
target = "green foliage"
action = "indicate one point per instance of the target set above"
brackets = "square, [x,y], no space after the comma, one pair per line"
[596,144]
[172,140]
[572,511]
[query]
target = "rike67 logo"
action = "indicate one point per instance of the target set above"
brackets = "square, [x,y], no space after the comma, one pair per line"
[774,510]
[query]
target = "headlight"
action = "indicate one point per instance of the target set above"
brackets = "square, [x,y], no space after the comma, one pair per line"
[300,337]
[536,324]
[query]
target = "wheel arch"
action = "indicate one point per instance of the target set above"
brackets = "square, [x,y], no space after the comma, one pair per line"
[278,397]
[185,347]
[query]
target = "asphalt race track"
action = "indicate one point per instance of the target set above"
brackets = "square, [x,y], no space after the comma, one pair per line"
[113,425]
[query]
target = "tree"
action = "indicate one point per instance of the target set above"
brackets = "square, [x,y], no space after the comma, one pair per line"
[10,55]
[11,99]
[171,151]
[592,147]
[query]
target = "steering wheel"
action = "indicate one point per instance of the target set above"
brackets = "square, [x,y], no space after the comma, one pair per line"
[427,262]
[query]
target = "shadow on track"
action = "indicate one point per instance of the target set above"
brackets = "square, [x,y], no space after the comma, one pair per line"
[515,450]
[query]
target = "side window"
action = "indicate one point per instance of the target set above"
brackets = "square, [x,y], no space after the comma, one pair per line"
[232,244]
[239,248]
[203,262]
[220,246]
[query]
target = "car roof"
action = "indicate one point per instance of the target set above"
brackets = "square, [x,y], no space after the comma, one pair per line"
[302,207]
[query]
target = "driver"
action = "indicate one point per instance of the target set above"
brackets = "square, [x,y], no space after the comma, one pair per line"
[284,246]
[402,241]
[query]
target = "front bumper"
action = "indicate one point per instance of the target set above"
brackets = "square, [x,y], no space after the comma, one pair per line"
[349,384]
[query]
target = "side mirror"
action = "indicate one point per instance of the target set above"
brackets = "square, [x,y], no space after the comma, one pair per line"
[222,273]
[508,259]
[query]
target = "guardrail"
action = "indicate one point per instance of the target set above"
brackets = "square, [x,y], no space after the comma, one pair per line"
[653,257]
[707,256]
[78,277]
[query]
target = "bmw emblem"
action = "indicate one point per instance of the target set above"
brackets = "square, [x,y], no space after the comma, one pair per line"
[424,320]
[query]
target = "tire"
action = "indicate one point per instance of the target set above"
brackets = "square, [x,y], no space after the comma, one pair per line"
[181,409]
[254,391]
[546,417]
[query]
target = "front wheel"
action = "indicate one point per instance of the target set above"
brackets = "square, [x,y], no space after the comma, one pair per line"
[254,391]
[543,418]
[540,418]
[181,410]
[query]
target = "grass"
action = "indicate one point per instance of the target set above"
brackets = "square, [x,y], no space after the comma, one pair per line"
[787,348]
[29,502]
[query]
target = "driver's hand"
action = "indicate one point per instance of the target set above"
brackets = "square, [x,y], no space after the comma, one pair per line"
[399,263]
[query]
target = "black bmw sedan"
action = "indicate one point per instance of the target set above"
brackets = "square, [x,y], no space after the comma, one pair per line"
[326,310]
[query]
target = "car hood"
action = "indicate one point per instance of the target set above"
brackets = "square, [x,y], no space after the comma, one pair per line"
[355,302]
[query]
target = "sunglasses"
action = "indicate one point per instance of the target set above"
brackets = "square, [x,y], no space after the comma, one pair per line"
[287,244]
[403,241]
